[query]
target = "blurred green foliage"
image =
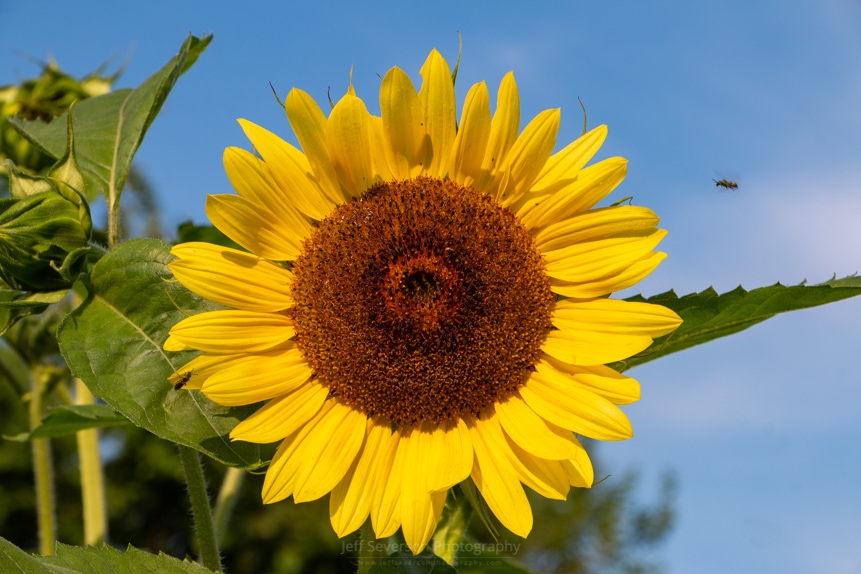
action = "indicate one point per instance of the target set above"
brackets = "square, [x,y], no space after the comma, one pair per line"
[605,529]
[44,97]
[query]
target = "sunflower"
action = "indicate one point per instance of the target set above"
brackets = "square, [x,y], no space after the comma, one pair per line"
[421,302]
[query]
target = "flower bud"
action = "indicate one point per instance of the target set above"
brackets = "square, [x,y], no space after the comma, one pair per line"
[43,244]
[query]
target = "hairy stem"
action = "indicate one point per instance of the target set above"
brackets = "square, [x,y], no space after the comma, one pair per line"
[43,470]
[203,525]
[113,222]
[92,478]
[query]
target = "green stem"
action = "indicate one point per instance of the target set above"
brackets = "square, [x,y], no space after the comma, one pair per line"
[43,471]
[370,551]
[226,500]
[92,479]
[206,541]
[113,222]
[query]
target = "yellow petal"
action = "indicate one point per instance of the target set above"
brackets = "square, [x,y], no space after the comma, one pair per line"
[351,501]
[578,469]
[597,260]
[449,451]
[196,371]
[348,140]
[309,125]
[232,277]
[232,331]
[385,509]
[546,477]
[496,477]
[251,226]
[588,188]
[601,331]
[531,432]
[596,224]
[311,461]
[175,345]
[418,518]
[380,156]
[566,164]
[503,132]
[291,171]
[281,416]
[252,179]
[281,474]
[470,143]
[403,124]
[618,280]
[582,347]
[327,453]
[600,379]
[278,483]
[527,155]
[580,472]
[251,378]
[438,103]
[575,408]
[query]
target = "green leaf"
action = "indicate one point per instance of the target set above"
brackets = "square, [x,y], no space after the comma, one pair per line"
[15,305]
[402,563]
[113,341]
[709,316]
[107,560]
[13,559]
[70,419]
[486,561]
[110,128]
[22,184]
[479,506]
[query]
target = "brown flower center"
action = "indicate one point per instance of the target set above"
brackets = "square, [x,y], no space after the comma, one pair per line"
[421,301]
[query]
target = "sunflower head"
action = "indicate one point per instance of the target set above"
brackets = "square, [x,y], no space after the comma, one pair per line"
[421,302]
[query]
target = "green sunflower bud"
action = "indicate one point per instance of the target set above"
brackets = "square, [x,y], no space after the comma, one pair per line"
[44,97]
[43,244]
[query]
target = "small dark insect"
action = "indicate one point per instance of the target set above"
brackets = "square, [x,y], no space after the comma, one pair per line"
[725,183]
[183,379]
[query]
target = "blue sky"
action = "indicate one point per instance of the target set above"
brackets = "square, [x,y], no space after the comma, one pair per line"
[760,428]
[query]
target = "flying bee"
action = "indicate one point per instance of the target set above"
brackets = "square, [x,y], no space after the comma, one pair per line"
[182,380]
[726,184]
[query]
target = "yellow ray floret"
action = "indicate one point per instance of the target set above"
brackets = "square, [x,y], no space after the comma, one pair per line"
[373,243]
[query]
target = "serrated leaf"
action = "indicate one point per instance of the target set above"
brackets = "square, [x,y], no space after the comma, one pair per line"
[13,559]
[110,128]
[113,341]
[401,563]
[107,560]
[709,316]
[69,419]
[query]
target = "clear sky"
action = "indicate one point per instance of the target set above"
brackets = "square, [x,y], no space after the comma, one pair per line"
[763,429]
